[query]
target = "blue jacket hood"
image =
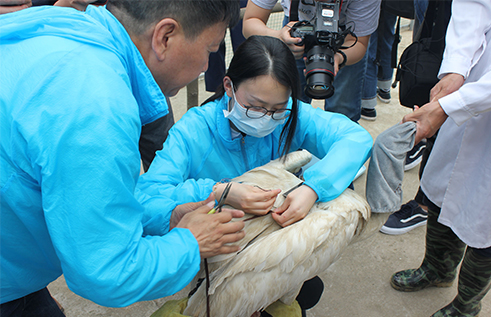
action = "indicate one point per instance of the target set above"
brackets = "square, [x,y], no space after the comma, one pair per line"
[98,27]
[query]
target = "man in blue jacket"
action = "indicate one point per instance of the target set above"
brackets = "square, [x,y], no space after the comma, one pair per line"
[76,89]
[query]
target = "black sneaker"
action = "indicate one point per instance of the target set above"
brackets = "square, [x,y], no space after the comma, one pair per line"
[410,216]
[414,157]
[368,114]
[383,95]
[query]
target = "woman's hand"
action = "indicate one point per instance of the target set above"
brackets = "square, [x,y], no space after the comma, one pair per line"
[296,206]
[250,199]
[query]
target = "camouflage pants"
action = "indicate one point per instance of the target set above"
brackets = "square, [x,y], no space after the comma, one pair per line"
[444,251]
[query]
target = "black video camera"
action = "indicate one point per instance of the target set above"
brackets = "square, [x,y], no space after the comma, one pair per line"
[322,40]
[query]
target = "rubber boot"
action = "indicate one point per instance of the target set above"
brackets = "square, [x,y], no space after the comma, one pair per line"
[474,283]
[444,251]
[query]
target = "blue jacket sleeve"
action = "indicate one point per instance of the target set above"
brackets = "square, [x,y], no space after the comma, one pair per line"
[342,145]
[171,172]
[88,162]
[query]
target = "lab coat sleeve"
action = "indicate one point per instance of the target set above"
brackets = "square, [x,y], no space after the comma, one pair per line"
[465,38]
[88,164]
[469,101]
[465,44]
[170,172]
[342,145]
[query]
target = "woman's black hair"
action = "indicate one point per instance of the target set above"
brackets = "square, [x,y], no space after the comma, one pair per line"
[264,55]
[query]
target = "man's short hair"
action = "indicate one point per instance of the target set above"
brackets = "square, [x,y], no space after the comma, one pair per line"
[194,16]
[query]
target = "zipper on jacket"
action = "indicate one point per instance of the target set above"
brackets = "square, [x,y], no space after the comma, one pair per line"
[244,154]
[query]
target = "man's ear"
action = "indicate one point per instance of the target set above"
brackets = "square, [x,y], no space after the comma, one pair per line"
[162,36]
[227,85]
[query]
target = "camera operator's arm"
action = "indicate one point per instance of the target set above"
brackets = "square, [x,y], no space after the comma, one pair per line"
[353,54]
[254,23]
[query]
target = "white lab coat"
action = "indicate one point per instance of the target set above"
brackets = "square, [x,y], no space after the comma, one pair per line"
[457,176]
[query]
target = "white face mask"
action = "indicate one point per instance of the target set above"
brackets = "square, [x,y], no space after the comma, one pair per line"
[258,128]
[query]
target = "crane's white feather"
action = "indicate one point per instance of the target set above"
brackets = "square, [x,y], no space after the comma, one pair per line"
[278,260]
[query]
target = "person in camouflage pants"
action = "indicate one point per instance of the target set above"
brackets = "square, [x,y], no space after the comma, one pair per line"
[456,181]
[444,252]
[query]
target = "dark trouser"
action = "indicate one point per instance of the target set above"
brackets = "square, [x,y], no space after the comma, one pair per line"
[153,136]
[37,304]
[445,250]
[216,62]
[426,153]
[444,230]
[309,295]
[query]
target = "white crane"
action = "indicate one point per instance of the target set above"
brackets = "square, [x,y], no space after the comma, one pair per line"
[273,261]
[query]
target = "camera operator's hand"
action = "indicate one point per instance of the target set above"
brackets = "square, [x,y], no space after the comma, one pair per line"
[338,59]
[292,42]
[213,232]
[7,6]
[254,23]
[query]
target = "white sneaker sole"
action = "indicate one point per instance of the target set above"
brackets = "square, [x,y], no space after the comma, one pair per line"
[382,99]
[395,232]
[413,164]
[369,118]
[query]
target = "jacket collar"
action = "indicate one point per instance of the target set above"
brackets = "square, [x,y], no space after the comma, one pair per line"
[151,101]
[98,27]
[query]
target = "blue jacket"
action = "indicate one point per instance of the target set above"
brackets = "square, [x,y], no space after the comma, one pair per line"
[74,94]
[200,151]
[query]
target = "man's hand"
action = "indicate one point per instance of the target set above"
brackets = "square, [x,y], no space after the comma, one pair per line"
[214,231]
[447,85]
[296,206]
[429,118]
[7,6]
[183,209]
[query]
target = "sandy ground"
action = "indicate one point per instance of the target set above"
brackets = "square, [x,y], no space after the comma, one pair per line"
[358,283]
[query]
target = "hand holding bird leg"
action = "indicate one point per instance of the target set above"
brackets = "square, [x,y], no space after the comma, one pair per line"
[296,206]
[250,199]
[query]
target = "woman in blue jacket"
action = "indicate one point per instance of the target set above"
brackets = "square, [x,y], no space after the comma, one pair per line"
[253,118]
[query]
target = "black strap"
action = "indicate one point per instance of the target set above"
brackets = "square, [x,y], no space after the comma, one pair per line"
[294,10]
[395,44]
[208,313]
[433,26]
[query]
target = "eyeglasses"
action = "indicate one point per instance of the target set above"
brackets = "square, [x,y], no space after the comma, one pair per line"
[259,112]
